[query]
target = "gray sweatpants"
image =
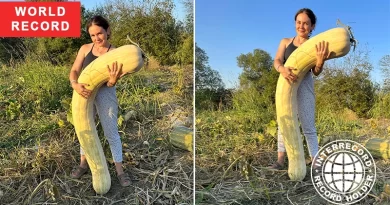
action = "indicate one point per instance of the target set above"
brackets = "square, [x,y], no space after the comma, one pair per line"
[306,115]
[106,105]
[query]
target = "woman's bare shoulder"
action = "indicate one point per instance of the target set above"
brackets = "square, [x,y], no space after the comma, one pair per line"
[86,48]
[286,40]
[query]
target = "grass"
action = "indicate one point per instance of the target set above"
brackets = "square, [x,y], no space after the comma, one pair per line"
[38,146]
[234,148]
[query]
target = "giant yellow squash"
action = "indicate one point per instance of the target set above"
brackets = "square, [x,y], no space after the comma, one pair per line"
[303,59]
[95,75]
[379,148]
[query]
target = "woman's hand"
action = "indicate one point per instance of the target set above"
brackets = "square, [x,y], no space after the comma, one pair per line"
[115,73]
[288,74]
[81,90]
[322,55]
[322,52]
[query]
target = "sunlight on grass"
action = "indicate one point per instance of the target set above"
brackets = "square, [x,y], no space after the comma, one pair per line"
[38,145]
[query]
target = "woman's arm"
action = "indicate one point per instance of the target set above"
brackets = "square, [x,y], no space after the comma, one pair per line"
[75,72]
[278,62]
[317,69]
[115,72]
[76,67]
[322,54]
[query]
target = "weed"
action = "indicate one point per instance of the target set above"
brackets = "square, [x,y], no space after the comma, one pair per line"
[234,147]
[38,145]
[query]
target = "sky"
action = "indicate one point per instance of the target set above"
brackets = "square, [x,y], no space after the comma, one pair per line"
[224,29]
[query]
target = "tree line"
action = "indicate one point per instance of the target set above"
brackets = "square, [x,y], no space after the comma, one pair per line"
[344,84]
[150,23]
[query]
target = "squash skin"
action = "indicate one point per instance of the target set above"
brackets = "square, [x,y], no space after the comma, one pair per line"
[95,75]
[379,148]
[182,137]
[303,59]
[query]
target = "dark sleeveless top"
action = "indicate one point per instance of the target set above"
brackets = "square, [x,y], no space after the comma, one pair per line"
[290,48]
[90,57]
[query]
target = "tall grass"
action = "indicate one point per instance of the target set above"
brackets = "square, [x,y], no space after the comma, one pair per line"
[382,106]
[234,147]
[337,124]
[223,138]
[38,146]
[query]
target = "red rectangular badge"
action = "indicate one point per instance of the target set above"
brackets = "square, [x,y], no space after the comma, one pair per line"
[40,19]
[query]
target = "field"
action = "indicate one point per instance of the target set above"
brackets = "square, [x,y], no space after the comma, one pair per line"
[39,148]
[234,148]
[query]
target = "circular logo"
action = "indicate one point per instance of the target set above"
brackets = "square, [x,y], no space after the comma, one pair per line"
[343,172]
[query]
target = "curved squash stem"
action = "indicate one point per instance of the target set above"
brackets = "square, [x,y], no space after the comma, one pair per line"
[353,41]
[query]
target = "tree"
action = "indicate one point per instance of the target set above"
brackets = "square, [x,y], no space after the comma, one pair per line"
[208,83]
[384,64]
[63,50]
[185,52]
[345,83]
[341,90]
[58,51]
[11,49]
[257,82]
[255,65]
[149,23]
[205,77]
[189,21]
[382,100]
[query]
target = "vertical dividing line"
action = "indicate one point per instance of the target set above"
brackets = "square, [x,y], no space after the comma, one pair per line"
[193,100]
[343,173]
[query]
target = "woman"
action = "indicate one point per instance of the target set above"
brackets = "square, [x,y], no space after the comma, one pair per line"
[305,22]
[106,103]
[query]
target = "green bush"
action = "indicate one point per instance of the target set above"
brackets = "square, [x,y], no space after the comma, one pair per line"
[34,87]
[338,89]
[381,106]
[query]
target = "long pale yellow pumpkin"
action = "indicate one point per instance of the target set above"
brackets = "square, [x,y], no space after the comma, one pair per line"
[95,75]
[303,59]
[379,147]
[181,137]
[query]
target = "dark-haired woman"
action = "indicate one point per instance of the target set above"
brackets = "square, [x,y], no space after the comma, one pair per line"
[106,103]
[305,22]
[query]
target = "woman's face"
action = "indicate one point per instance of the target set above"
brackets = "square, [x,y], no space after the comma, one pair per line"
[303,25]
[98,35]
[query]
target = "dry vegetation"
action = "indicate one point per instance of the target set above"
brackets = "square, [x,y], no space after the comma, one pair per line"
[231,161]
[38,147]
